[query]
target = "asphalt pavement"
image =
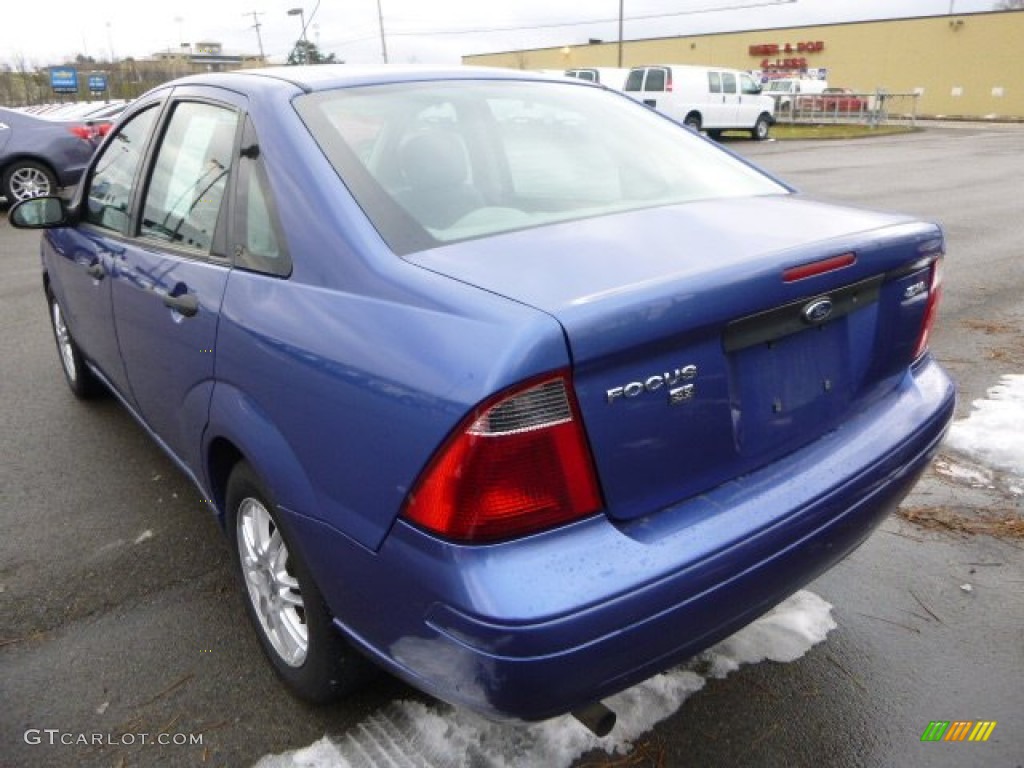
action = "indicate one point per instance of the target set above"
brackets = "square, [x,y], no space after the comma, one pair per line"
[121,618]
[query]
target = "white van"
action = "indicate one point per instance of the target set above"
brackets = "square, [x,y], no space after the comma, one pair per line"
[705,98]
[612,77]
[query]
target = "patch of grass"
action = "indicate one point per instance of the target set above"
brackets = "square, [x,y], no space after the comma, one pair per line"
[788,132]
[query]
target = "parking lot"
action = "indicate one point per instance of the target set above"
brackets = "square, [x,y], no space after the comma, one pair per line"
[121,617]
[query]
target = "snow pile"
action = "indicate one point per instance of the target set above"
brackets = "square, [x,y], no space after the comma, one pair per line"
[993,434]
[410,733]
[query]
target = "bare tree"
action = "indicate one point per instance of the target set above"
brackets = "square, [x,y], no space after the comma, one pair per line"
[7,97]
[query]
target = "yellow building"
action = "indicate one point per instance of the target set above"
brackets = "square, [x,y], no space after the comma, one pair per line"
[968,65]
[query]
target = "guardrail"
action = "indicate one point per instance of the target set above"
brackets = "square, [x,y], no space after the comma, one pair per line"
[877,108]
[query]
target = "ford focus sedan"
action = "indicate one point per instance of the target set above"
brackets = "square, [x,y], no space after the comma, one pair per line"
[508,385]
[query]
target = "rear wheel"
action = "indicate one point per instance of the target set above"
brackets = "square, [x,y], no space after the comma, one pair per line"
[761,128]
[692,121]
[27,178]
[282,600]
[80,379]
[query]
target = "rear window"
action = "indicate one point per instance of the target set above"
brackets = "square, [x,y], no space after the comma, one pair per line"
[435,163]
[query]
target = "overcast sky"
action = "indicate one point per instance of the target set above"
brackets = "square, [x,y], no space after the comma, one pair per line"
[416,31]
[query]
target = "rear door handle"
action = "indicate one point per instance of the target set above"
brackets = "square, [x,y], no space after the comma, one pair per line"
[186,304]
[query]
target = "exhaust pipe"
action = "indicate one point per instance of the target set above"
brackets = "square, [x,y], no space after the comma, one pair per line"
[596,717]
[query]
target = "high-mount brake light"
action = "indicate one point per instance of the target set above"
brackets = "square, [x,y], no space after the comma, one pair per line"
[820,267]
[518,464]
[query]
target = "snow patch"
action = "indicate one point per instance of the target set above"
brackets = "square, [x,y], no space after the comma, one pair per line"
[410,733]
[975,477]
[993,433]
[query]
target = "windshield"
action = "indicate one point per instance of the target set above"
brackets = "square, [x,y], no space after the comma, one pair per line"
[438,162]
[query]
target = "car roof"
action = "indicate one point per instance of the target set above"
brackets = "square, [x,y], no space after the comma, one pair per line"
[323,77]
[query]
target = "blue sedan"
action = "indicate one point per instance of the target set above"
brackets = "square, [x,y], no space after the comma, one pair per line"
[39,156]
[506,384]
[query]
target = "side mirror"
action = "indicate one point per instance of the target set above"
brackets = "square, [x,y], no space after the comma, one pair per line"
[38,213]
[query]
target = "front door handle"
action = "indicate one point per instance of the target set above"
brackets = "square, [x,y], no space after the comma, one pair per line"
[186,304]
[96,270]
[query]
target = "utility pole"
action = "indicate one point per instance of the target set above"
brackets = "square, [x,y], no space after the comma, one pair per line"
[620,34]
[383,45]
[256,25]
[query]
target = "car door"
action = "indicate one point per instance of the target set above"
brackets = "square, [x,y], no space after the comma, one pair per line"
[728,116]
[172,275]
[87,256]
[654,89]
[749,104]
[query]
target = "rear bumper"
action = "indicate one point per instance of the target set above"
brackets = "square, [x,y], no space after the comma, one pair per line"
[534,628]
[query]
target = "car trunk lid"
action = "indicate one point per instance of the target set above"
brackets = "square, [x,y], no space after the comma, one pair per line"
[703,345]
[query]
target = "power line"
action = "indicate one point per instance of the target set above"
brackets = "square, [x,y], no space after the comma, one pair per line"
[557,25]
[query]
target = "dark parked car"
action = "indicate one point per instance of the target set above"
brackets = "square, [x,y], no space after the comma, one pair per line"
[509,384]
[39,156]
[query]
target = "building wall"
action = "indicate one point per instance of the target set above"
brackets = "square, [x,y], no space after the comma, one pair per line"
[963,65]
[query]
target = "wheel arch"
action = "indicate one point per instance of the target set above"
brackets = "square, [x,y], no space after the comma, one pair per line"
[22,156]
[239,430]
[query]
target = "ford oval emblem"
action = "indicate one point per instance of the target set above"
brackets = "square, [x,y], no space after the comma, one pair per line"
[818,311]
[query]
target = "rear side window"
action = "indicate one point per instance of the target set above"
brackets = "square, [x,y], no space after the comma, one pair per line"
[728,82]
[256,235]
[655,80]
[190,176]
[110,187]
[714,82]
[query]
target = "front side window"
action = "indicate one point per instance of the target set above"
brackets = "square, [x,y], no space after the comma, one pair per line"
[190,175]
[748,86]
[110,187]
[458,160]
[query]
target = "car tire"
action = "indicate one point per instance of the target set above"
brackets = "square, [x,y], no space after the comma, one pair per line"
[692,122]
[283,602]
[761,128]
[82,382]
[27,178]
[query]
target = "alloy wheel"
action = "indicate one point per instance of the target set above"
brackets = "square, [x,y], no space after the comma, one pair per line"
[270,582]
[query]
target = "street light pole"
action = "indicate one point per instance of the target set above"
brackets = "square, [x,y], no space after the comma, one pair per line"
[302,19]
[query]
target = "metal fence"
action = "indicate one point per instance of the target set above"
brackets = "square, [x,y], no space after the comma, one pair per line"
[877,108]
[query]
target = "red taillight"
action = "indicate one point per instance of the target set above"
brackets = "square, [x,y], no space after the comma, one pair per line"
[84,132]
[931,309]
[518,464]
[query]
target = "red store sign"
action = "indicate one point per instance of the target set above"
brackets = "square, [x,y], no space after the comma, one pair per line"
[788,49]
